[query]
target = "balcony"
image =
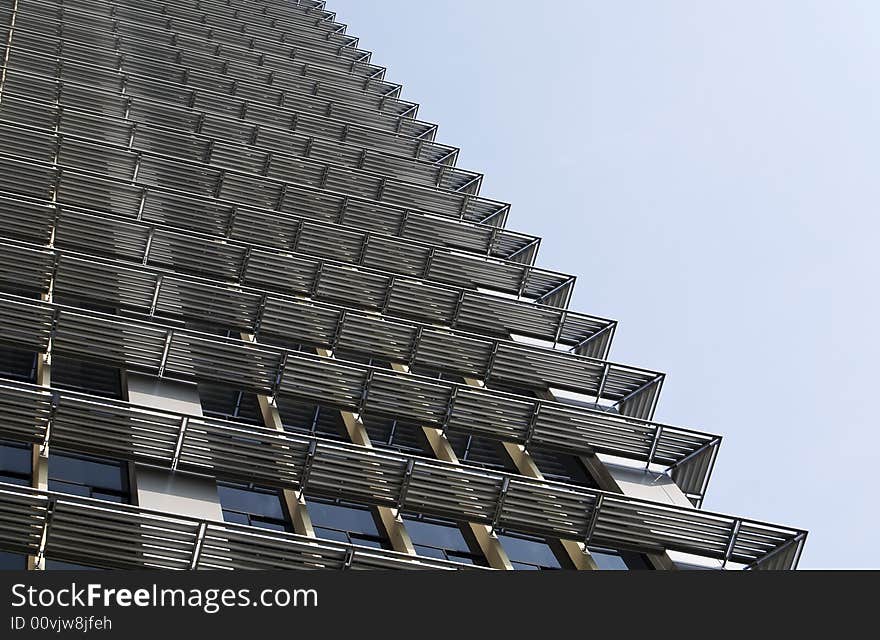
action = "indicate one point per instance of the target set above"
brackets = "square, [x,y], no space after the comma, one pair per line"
[190,356]
[114,536]
[327,469]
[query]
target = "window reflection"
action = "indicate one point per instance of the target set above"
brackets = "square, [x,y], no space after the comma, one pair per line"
[443,539]
[529,553]
[345,522]
[89,477]
[253,506]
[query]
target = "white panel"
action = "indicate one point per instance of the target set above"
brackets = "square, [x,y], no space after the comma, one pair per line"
[159,489]
[648,485]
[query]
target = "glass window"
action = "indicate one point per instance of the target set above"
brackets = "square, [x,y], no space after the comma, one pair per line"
[253,506]
[86,377]
[611,560]
[58,565]
[442,539]
[608,560]
[345,522]
[15,463]
[527,553]
[17,364]
[12,561]
[89,477]
[219,401]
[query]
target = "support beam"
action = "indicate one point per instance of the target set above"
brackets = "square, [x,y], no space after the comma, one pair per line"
[391,521]
[295,504]
[488,541]
[577,552]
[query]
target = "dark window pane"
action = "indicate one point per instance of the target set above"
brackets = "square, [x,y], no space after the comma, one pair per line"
[250,501]
[254,506]
[15,463]
[89,477]
[437,535]
[367,542]
[235,517]
[519,566]
[303,417]
[262,523]
[71,488]
[331,534]
[345,518]
[86,377]
[98,474]
[562,467]
[460,557]
[11,561]
[608,561]
[58,565]
[219,401]
[429,552]
[18,364]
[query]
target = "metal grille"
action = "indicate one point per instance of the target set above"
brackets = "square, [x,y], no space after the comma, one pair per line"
[175,173]
[114,536]
[226,450]
[160,349]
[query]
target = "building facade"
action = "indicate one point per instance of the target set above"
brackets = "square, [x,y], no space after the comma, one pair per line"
[252,315]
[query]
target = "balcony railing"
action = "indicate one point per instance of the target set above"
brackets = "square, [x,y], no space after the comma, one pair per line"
[160,350]
[225,450]
[156,39]
[168,123]
[46,18]
[266,176]
[115,536]
[250,114]
[29,268]
[281,229]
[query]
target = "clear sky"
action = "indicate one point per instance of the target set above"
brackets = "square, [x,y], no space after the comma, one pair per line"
[709,171]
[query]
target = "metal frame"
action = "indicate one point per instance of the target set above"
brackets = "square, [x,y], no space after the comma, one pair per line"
[115,536]
[228,450]
[244,166]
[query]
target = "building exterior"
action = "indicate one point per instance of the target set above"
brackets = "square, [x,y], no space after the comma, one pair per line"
[252,315]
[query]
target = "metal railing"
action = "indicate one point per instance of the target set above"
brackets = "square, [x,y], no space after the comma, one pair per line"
[101,534]
[175,193]
[226,450]
[321,123]
[152,348]
[267,177]
[286,319]
[121,21]
[123,111]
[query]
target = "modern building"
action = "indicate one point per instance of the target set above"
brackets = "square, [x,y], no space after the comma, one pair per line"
[252,315]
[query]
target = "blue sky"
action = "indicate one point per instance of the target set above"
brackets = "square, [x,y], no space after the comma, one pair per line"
[708,170]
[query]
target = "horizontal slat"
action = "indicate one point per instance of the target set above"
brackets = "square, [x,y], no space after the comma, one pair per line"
[156,348]
[115,536]
[227,450]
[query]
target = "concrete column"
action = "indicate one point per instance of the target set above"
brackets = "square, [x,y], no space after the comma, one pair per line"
[488,541]
[391,522]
